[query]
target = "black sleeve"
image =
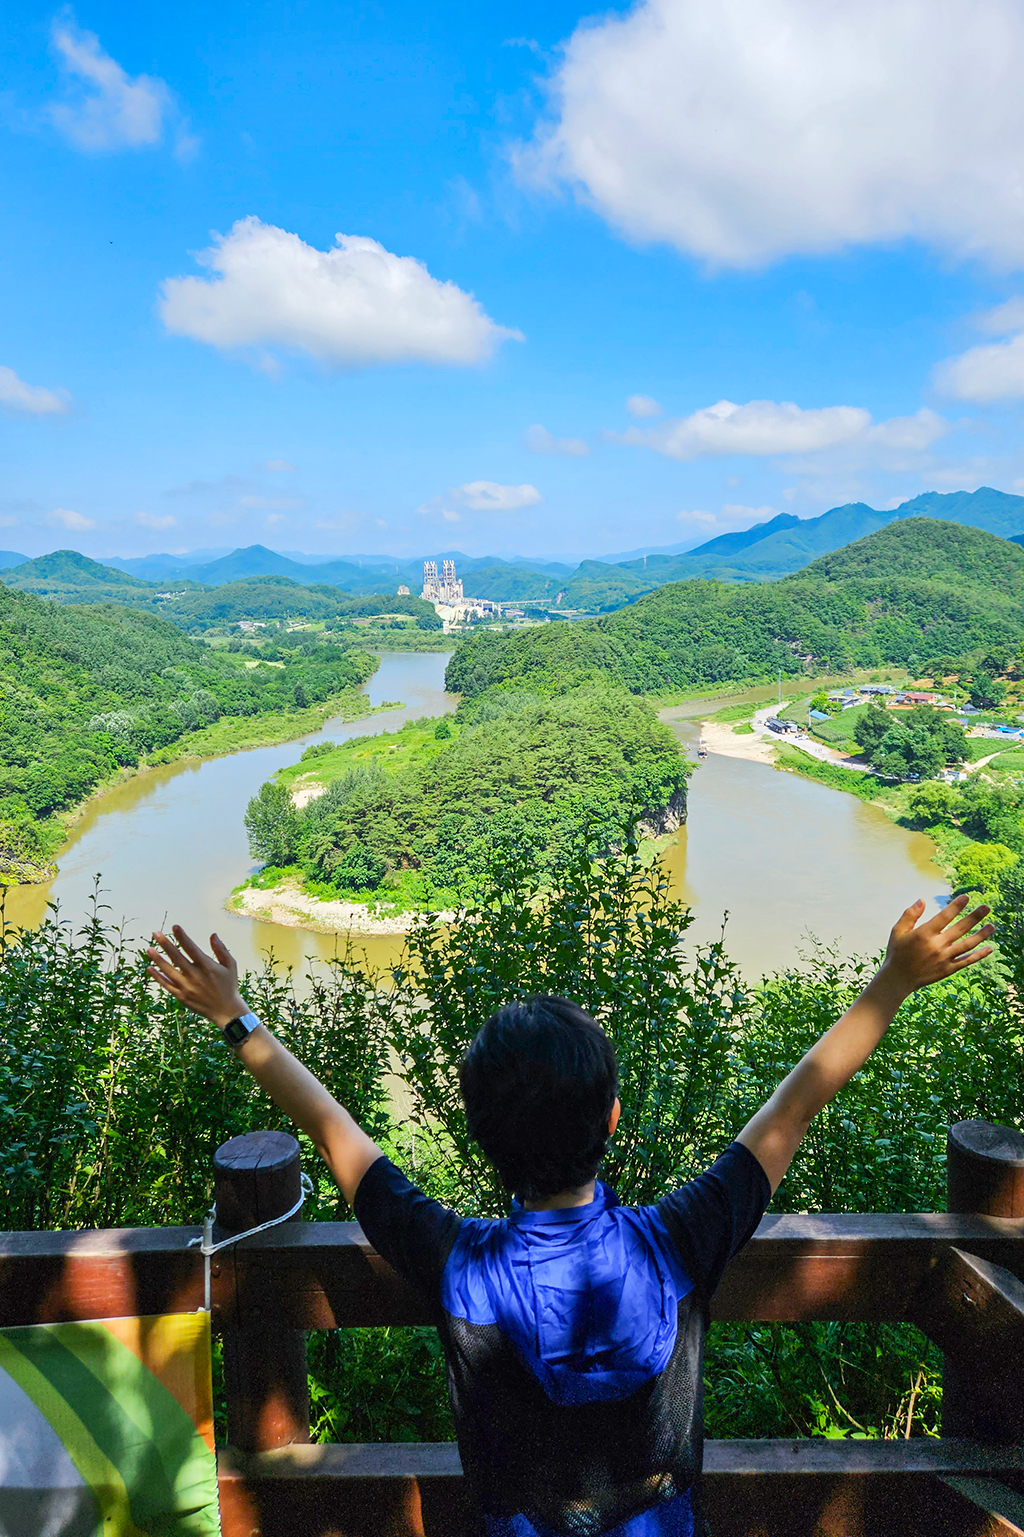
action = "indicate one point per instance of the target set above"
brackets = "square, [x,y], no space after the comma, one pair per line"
[713,1216]
[412,1232]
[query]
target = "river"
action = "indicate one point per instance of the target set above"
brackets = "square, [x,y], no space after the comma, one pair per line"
[785,856]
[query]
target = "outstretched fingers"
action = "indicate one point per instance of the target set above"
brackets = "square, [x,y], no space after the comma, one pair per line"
[171,950]
[967,958]
[947,915]
[971,942]
[965,924]
[221,951]
[169,980]
[194,952]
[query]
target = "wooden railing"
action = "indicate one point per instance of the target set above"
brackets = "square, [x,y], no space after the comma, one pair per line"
[959,1276]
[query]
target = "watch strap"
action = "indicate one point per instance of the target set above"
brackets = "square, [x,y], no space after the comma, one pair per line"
[238,1030]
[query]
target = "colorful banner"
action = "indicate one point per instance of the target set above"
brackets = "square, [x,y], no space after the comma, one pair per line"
[106,1429]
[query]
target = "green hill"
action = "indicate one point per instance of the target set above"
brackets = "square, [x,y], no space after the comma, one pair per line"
[939,591]
[268,598]
[65,574]
[85,690]
[925,548]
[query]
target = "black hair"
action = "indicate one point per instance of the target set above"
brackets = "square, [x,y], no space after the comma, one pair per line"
[539,1082]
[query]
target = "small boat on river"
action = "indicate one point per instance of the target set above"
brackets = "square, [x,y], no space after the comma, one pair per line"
[702,749]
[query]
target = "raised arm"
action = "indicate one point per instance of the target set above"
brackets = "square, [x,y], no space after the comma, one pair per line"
[208,984]
[917,955]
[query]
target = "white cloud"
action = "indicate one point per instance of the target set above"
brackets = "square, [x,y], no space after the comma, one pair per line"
[748,131]
[273,519]
[489,496]
[766,428]
[155,520]
[540,441]
[993,371]
[731,516]
[761,428]
[33,399]
[280,467]
[353,305]
[111,110]
[63,517]
[7,522]
[642,405]
[916,432]
[1006,317]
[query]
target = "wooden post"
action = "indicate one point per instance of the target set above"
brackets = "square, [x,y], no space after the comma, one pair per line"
[984,1175]
[257,1177]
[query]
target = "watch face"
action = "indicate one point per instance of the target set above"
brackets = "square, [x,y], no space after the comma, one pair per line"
[236,1032]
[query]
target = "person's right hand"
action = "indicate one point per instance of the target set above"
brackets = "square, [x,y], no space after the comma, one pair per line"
[919,954]
[208,984]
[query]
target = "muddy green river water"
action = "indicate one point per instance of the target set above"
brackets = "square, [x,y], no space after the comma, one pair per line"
[785,857]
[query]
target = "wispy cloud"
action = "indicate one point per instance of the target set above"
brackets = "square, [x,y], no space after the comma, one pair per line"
[489,496]
[31,399]
[540,441]
[106,109]
[642,405]
[993,371]
[63,517]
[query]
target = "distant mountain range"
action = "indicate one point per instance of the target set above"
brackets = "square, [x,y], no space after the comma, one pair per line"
[768,550]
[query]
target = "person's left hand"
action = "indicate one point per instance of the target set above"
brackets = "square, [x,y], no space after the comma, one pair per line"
[207,984]
[919,954]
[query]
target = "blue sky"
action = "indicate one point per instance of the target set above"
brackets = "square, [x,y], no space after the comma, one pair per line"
[607,281]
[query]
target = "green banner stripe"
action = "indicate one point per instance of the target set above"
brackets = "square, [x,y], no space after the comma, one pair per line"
[189,1465]
[132,1426]
[99,1473]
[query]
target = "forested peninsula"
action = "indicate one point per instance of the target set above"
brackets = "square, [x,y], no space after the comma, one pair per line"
[413,818]
[87,692]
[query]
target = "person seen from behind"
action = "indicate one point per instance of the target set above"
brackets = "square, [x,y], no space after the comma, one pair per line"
[573,1329]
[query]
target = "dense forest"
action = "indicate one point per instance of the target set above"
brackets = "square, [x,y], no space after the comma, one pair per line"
[269,598]
[916,590]
[423,809]
[87,690]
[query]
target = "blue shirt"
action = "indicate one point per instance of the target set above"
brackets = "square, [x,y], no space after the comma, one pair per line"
[574,1343]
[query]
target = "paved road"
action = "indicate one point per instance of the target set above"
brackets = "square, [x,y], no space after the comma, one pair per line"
[803,743]
[825,754]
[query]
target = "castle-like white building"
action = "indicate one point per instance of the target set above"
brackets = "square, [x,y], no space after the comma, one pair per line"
[449,601]
[448,590]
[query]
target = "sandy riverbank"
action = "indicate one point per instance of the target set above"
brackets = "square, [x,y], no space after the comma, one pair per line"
[294,909]
[724,741]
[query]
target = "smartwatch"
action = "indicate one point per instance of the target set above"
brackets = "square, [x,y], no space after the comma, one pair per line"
[239,1030]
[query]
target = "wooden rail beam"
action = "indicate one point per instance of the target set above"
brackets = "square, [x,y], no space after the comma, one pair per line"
[324,1275]
[813,1488]
[794,1268]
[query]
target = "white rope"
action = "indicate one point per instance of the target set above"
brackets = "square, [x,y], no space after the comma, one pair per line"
[207,1247]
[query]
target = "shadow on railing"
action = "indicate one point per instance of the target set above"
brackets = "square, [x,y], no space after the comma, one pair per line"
[957,1275]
